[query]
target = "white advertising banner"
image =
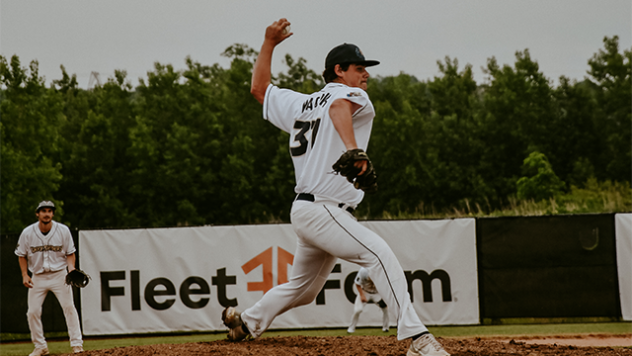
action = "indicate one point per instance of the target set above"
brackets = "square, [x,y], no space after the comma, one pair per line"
[180,279]
[623,234]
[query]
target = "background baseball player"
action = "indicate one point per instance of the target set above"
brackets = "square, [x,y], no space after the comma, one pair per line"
[322,126]
[46,247]
[367,293]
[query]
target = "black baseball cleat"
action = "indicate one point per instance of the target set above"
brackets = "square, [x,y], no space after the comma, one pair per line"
[232,319]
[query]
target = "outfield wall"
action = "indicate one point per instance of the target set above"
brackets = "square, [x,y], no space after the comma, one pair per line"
[547,267]
[460,271]
[164,280]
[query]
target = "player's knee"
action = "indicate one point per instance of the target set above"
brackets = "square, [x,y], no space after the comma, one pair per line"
[68,308]
[305,299]
[34,313]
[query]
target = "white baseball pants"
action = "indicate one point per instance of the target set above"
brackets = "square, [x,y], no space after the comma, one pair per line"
[326,233]
[358,307]
[42,284]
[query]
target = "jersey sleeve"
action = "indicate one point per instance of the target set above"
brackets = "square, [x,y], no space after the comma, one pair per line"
[22,247]
[67,242]
[356,96]
[281,107]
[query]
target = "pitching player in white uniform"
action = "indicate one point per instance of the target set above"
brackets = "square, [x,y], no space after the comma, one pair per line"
[47,249]
[322,126]
[367,293]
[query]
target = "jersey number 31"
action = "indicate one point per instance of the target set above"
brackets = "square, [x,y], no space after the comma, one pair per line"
[302,129]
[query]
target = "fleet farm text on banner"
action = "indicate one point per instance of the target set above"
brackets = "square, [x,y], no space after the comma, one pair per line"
[180,279]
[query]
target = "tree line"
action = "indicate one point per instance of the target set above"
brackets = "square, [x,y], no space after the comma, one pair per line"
[189,147]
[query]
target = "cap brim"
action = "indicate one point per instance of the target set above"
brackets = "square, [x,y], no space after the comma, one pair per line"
[369,63]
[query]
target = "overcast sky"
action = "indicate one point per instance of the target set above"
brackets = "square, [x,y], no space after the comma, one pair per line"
[406,36]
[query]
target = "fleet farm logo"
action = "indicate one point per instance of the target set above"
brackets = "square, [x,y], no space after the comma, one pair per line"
[194,291]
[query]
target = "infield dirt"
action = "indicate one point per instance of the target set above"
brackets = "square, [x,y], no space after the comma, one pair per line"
[372,346]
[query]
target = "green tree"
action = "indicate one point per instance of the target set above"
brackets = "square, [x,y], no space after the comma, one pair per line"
[455,126]
[610,72]
[539,182]
[399,145]
[425,142]
[96,166]
[165,138]
[576,145]
[299,77]
[30,135]
[517,109]
[190,147]
[201,147]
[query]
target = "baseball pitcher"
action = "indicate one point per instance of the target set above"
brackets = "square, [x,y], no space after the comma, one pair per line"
[329,134]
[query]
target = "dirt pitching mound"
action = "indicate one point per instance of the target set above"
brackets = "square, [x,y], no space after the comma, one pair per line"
[359,345]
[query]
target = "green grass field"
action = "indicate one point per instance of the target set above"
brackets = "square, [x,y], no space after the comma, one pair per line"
[60,344]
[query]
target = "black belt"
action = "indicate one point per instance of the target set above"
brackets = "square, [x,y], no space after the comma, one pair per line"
[310,197]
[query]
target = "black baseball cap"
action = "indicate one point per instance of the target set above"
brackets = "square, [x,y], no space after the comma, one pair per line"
[45,204]
[347,53]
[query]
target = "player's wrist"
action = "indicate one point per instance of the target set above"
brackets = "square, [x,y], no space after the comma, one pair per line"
[268,45]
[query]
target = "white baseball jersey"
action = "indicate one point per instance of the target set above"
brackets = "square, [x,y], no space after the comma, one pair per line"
[364,281]
[45,253]
[315,145]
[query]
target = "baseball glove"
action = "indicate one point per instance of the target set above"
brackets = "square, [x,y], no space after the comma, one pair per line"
[345,166]
[77,278]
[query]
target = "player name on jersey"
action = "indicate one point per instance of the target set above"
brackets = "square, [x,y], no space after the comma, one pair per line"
[310,103]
